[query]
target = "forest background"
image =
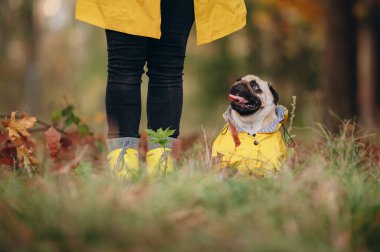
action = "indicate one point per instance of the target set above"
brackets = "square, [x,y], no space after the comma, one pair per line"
[326,53]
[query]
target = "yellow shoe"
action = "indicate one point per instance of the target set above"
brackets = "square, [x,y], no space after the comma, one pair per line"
[159,161]
[124,166]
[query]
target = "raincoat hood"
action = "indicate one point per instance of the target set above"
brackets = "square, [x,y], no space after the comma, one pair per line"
[252,153]
[213,18]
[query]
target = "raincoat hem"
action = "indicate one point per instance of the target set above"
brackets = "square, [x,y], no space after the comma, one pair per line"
[234,27]
[90,12]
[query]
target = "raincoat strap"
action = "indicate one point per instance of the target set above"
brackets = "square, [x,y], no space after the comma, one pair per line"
[234,134]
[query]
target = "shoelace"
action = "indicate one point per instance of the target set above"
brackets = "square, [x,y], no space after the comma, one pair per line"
[120,159]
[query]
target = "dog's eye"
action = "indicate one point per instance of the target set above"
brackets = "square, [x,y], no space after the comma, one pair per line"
[255,87]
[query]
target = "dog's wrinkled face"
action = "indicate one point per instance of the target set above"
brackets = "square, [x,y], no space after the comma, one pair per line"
[250,94]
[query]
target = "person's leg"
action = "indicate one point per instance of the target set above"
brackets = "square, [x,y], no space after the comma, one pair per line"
[126,60]
[165,65]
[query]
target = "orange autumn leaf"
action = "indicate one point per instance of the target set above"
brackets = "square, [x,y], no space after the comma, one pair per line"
[25,156]
[18,127]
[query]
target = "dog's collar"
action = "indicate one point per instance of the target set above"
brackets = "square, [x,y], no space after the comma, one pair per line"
[280,112]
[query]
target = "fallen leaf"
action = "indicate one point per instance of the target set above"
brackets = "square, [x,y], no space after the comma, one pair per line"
[18,128]
[6,161]
[25,157]
[3,140]
[8,151]
[53,138]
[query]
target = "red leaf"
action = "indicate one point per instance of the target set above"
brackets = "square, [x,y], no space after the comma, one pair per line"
[53,143]
[3,138]
[3,141]
[8,152]
[6,161]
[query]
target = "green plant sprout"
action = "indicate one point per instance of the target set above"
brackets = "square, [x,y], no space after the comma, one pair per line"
[161,137]
[289,137]
[84,169]
[292,113]
[70,118]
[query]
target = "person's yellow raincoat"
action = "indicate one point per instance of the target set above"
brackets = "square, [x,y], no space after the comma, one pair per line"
[214,18]
[259,153]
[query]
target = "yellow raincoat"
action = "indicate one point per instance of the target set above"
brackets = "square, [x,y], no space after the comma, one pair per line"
[259,153]
[214,18]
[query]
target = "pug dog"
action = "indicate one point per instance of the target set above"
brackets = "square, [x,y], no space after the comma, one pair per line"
[251,141]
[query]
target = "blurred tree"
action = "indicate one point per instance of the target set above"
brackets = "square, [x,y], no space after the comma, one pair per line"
[340,78]
[18,53]
[284,36]
[352,59]
[32,38]
[217,72]
[368,12]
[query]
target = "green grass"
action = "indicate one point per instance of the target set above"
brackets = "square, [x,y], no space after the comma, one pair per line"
[327,198]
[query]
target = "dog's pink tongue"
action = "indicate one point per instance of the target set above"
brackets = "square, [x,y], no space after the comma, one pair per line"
[237,98]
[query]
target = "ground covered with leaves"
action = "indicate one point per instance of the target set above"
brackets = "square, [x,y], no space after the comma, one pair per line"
[326,198]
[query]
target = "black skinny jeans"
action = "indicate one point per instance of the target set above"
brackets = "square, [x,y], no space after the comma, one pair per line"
[127,55]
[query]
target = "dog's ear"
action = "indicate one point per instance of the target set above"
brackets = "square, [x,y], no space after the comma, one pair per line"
[274,93]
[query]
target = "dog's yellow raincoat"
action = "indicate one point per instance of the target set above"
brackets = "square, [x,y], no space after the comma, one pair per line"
[214,18]
[259,153]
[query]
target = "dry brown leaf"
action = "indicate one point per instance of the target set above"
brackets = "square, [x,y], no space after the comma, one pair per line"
[18,128]
[25,157]
[53,138]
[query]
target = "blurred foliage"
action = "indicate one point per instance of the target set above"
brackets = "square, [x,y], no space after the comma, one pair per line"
[326,198]
[69,118]
[84,169]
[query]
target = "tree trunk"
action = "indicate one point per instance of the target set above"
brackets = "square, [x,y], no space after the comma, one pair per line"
[340,80]
[369,63]
[376,62]
[31,71]
[367,94]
